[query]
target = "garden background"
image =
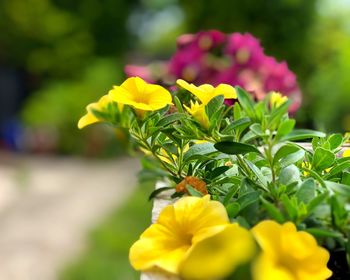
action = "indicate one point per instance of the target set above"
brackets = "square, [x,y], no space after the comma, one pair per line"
[56,56]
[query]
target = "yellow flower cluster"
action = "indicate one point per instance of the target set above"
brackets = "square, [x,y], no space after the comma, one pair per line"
[194,239]
[204,94]
[134,92]
[143,97]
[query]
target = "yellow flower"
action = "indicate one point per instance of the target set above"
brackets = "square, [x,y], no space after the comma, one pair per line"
[141,95]
[89,117]
[306,164]
[218,256]
[288,254]
[198,112]
[165,244]
[346,153]
[207,92]
[277,99]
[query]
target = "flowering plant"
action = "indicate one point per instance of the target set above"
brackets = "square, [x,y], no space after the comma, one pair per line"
[255,203]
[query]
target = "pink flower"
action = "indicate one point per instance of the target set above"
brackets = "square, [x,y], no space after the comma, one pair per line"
[236,59]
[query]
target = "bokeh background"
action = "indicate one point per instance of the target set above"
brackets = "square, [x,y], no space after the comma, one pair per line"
[56,56]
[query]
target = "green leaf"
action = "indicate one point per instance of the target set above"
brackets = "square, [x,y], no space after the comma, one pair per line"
[285,127]
[302,134]
[214,104]
[346,178]
[319,232]
[277,114]
[289,175]
[257,173]
[216,118]
[338,188]
[292,158]
[335,140]
[238,124]
[192,191]
[338,168]
[237,112]
[257,129]
[235,148]
[218,171]
[323,159]
[316,201]
[284,151]
[246,102]
[158,191]
[273,211]
[233,209]
[292,211]
[165,121]
[247,199]
[199,149]
[306,191]
[178,104]
[230,194]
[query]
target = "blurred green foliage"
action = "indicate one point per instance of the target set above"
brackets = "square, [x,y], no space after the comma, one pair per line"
[57,37]
[106,256]
[60,104]
[328,98]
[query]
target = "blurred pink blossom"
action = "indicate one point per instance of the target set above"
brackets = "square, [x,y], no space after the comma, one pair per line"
[214,57]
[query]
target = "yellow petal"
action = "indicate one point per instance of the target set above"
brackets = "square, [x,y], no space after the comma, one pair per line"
[164,244]
[217,256]
[227,91]
[199,114]
[267,234]
[200,92]
[346,153]
[288,253]
[277,99]
[158,247]
[140,95]
[265,268]
[86,120]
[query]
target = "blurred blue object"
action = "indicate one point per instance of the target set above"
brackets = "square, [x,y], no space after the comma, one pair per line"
[11,134]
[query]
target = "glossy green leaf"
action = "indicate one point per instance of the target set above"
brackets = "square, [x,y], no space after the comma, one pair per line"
[302,134]
[306,191]
[338,188]
[289,175]
[158,191]
[169,119]
[284,151]
[285,127]
[335,140]
[292,158]
[192,191]
[273,211]
[199,149]
[290,208]
[246,102]
[233,209]
[323,158]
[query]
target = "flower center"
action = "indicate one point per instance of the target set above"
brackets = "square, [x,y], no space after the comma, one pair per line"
[186,239]
[142,98]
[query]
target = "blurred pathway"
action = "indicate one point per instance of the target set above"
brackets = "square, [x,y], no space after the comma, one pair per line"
[47,205]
